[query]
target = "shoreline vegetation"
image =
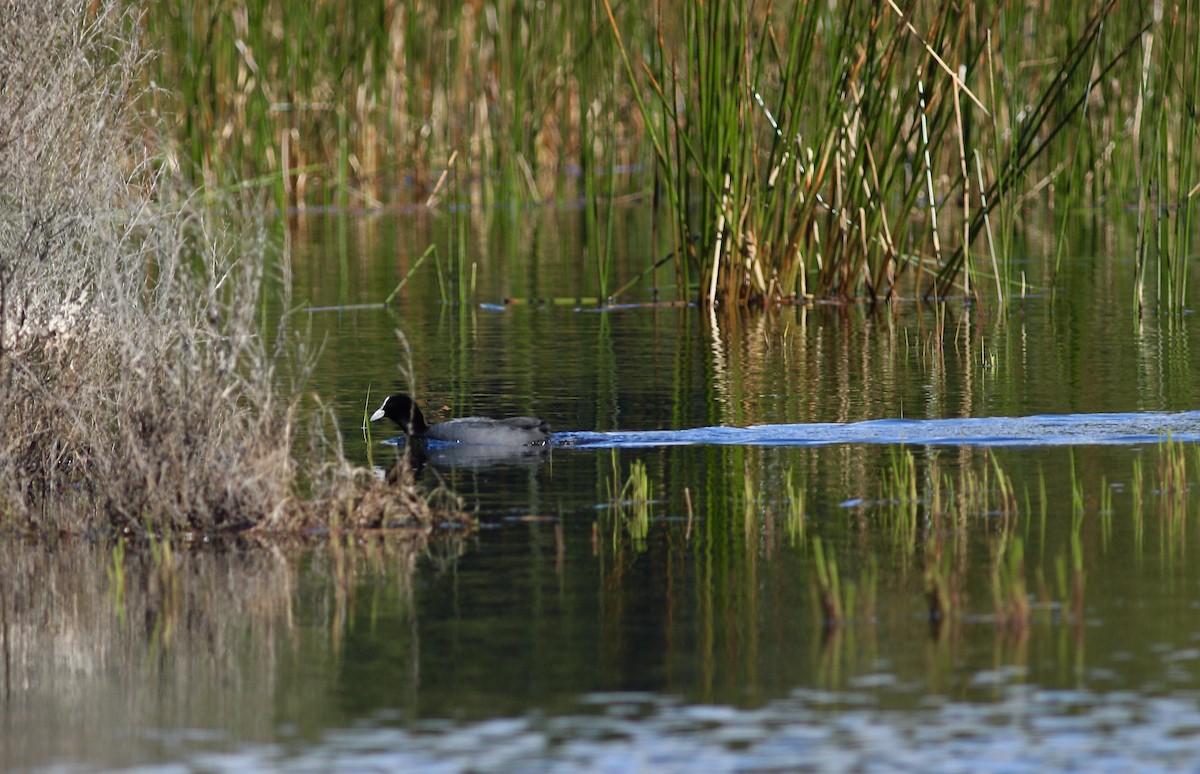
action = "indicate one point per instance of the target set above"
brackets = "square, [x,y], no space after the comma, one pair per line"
[145,392]
[795,150]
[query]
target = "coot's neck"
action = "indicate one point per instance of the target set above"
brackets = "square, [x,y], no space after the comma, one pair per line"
[415,424]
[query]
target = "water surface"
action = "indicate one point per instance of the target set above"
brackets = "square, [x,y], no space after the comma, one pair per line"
[580,628]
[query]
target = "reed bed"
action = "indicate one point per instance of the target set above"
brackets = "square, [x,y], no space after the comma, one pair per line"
[814,150]
[368,103]
[799,150]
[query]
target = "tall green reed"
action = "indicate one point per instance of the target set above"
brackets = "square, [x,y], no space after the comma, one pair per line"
[800,149]
[1167,137]
[810,150]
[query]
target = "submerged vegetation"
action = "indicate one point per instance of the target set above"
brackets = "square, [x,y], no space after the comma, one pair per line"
[950,539]
[799,149]
[145,387]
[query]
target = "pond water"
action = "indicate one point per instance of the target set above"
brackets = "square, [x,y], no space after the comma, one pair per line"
[1017,550]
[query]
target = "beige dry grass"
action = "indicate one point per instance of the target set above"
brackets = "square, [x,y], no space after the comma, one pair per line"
[139,389]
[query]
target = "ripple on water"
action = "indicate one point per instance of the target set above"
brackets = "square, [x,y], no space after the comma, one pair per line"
[1026,730]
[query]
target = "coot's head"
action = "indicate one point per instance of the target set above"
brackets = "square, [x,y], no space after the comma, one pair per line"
[402,410]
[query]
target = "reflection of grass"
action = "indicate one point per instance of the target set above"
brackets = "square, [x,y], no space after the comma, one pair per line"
[829,585]
[794,520]
[1173,480]
[631,503]
[901,499]
[840,599]
[116,579]
[1139,510]
[235,612]
[1010,596]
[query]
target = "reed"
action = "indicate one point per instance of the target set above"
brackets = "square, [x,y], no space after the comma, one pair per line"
[840,599]
[801,149]
[1077,497]
[810,150]
[1166,140]
[939,593]
[1173,490]
[988,491]
[1172,472]
[1078,576]
[517,89]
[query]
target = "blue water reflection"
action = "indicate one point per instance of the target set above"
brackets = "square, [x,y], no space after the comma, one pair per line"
[1025,730]
[1043,430]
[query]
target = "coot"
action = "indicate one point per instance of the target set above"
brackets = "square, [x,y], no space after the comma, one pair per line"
[484,431]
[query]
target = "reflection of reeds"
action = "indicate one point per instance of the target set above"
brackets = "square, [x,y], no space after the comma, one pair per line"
[631,501]
[794,518]
[1136,488]
[1173,480]
[902,500]
[829,586]
[840,599]
[203,636]
[1010,596]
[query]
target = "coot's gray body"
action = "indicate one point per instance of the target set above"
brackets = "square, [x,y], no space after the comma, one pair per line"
[482,431]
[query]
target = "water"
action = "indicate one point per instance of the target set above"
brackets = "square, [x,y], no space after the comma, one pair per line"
[580,629]
[1059,430]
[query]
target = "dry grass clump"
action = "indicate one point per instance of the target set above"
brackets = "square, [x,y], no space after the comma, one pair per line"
[353,499]
[140,389]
